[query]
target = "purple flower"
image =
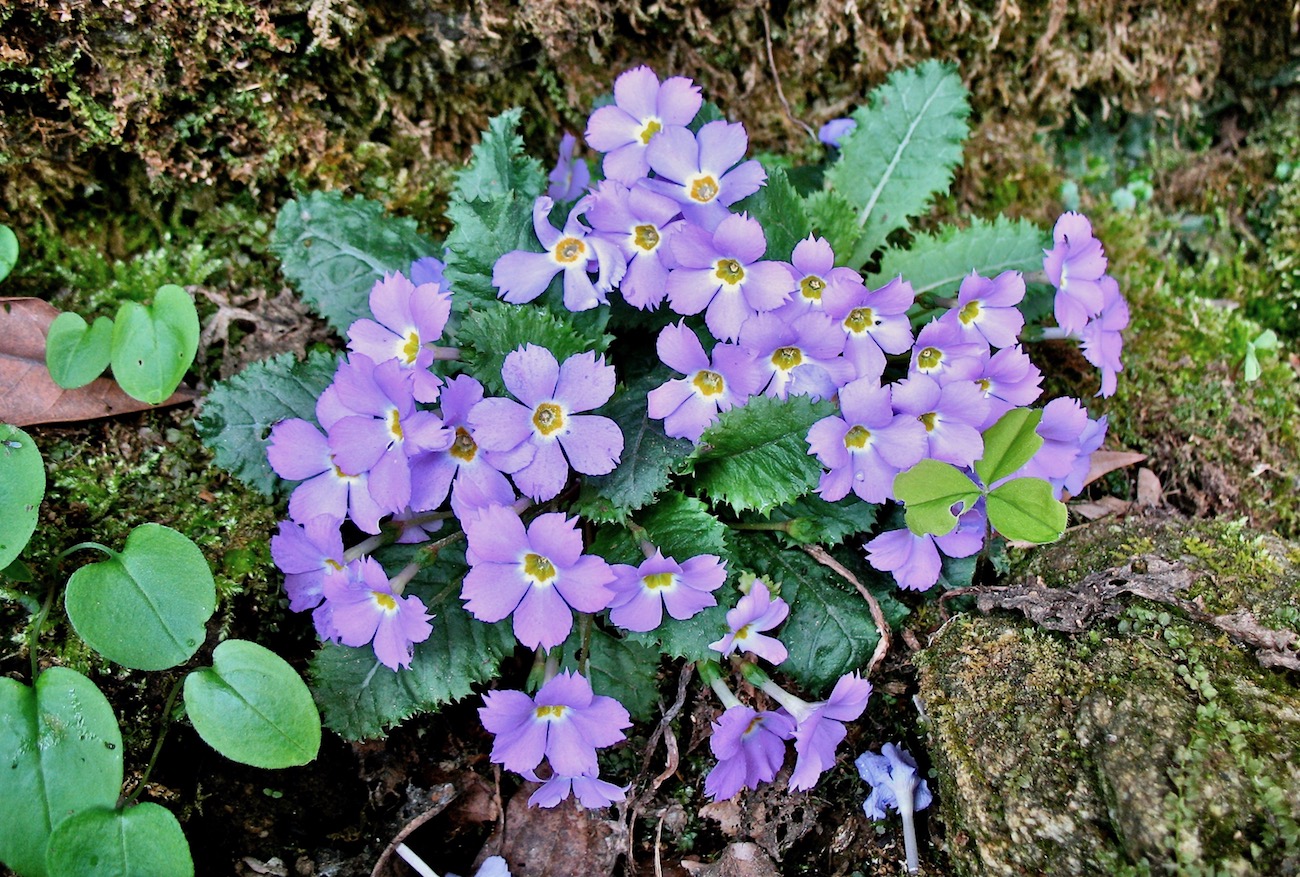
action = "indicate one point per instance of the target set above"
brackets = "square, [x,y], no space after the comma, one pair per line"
[427,270]
[642,109]
[813,266]
[522,276]
[914,560]
[307,555]
[433,474]
[1075,266]
[720,272]
[951,414]
[801,357]
[540,574]
[689,405]
[875,322]
[987,308]
[755,612]
[894,785]
[565,723]
[570,176]
[820,729]
[641,593]
[867,445]
[410,318]
[639,223]
[592,792]
[1101,338]
[697,171]
[299,452]
[1069,438]
[750,748]
[1009,380]
[946,353]
[536,438]
[834,132]
[364,609]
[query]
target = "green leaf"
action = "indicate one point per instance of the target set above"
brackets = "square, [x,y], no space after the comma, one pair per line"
[62,753]
[499,165]
[833,218]
[238,414]
[487,336]
[76,353]
[756,456]
[252,707]
[904,150]
[683,527]
[622,669]
[936,264]
[690,638]
[140,841]
[147,607]
[8,250]
[22,487]
[1008,444]
[829,631]
[649,458]
[813,520]
[482,232]
[154,345]
[1251,367]
[781,212]
[360,698]
[1027,510]
[929,490]
[334,249]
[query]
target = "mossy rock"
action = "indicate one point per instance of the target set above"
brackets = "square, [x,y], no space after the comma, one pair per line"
[1150,743]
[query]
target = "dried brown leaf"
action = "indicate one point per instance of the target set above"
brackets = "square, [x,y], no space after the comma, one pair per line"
[737,860]
[1108,461]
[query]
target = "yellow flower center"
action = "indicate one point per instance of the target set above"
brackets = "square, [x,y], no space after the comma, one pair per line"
[985,384]
[658,580]
[651,127]
[709,383]
[743,633]
[384,601]
[857,437]
[333,564]
[411,348]
[538,568]
[753,724]
[395,424]
[928,420]
[569,250]
[811,288]
[548,418]
[929,358]
[729,271]
[786,358]
[464,447]
[703,188]
[969,313]
[646,237]
[859,320]
[550,713]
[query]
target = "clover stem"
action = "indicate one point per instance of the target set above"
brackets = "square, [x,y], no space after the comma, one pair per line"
[95,545]
[158,743]
[34,636]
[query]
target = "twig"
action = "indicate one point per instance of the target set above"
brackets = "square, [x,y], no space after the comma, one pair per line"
[780,93]
[822,556]
[633,803]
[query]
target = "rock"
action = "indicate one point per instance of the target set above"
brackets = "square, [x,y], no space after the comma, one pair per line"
[1150,741]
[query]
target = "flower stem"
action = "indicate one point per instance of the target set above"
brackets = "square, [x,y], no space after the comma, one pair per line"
[768,526]
[365,546]
[906,809]
[399,582]
[711,674]
[446,354]
[409,857]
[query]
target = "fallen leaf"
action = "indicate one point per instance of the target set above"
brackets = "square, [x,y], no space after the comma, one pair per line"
[1107,505]
[29,395]
[1149,490]
[737,860]
[1108,461]
[557,842]
[726,813]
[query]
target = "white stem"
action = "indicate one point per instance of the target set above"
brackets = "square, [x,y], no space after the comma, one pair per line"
[408,855]
[905,809]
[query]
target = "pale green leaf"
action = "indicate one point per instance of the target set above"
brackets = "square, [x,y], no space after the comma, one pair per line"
[936,264]
[22,487]
[1008,444]
[8,250]
[832,217]
[929,490]
[77,353]
[154,345]
[145,840]
[1027,510]
[499,165]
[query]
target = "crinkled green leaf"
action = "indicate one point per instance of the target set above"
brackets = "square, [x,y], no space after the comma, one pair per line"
[499,165]
[77,353]
[756,456]
[60,752]
[146,608]
[8,250]
[1009,443]
[622,669]
[487,336]
[334,249]
[682,527]
[238,414]
[360,697]
[813,520]
[1027,510]
[834,218]
[829,631]
[781,212]
[907,144]
[22,487]
[145,839]
[482,232]
[936,264]
[252,707]
[929,490]
[690,638]
[153,345]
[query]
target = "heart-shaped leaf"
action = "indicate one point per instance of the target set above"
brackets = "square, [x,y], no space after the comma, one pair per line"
[252,707]
[75,353]
[154,345]
[60,752]
[1027,510]
[929,490]
[144,608]
[8,250]
[1008,444]
[144,839]
[22,487]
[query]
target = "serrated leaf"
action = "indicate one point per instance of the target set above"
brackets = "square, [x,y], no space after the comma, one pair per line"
[22,487]
[832,217]
[1027,510]
[813,520]
[829,631]
[238,414]
[498,164]
[619,668]
[935,264]
[690,638]
[334,249]
[756,456]
[145,839]
[928,491]
[907,144]
[487,336]
[360,698]
[781,212]
[482,232]
[649,458]
[683,527]
[1008,444]
[62,754]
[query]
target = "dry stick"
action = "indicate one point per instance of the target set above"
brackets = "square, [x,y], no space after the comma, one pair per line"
[780,93]
[822,556]
[664,727]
